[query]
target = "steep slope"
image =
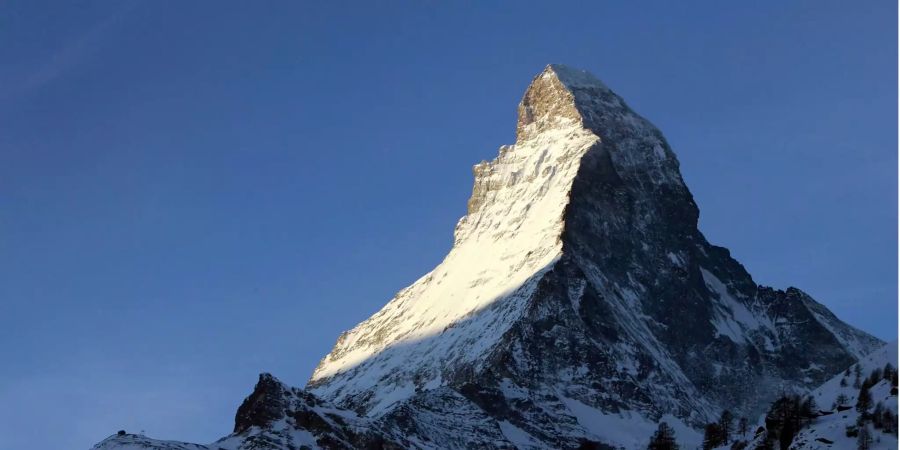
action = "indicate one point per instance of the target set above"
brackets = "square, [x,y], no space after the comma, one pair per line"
[579,304]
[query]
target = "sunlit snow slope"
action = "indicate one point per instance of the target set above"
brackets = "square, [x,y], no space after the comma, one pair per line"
[455,313]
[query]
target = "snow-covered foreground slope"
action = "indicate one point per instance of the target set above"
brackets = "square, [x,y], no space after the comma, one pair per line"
[579,305]
[830,431]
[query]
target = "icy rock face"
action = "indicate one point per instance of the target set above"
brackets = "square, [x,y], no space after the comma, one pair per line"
[579,305]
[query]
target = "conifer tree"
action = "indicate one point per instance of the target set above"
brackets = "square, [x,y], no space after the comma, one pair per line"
[864,402]
[712,436]
[864,439]
[663,439]
[725,425]
[889,422]
[875,376]
[888,371]
[808,410]
[878,415]
[841,399]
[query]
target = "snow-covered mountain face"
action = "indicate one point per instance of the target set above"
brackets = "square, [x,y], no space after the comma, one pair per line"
[579,303]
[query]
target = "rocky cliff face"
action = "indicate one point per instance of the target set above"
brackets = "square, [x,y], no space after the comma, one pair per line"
[579,304]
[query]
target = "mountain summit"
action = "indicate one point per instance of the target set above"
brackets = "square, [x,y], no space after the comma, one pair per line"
[580,304]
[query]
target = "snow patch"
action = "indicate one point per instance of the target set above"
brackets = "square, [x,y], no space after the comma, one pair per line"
[733,318]
[627,430]
[521,439]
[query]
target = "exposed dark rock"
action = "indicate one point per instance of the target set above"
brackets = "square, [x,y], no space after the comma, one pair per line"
[263,406]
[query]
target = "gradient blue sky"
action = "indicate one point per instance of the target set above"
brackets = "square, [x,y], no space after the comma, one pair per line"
[192,193]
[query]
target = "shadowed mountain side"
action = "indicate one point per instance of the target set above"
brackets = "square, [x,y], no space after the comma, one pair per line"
[636,238]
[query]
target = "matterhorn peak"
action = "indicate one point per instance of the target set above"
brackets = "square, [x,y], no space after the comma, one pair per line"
[579,304]
[585,222]
[574,78]
[550,101]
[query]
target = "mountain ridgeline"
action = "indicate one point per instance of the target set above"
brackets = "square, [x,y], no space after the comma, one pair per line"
[579,306]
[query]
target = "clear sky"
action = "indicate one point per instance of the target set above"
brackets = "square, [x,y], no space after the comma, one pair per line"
[192,193]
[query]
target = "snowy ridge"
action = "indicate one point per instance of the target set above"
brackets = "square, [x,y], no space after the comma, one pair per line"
[852,341]
[139,442]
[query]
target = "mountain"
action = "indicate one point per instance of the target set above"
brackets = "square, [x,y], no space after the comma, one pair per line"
[579,305]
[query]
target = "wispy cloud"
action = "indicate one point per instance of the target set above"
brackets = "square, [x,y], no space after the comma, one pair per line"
[74,52]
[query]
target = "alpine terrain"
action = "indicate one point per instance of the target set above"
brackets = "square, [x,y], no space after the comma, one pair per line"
[579,306]
[839,419]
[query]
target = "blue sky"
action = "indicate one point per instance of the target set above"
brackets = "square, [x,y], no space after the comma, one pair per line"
[192,193]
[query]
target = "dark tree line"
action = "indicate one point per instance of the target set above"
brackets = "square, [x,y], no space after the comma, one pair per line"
[786,417]
[871,414]
[790,413]
[717,434]
[663,439]
[884,419]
